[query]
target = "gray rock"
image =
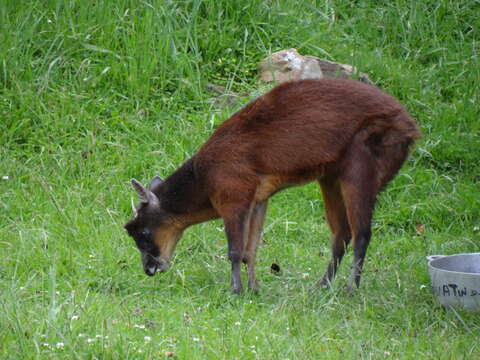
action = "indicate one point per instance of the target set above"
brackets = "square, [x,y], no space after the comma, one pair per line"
[288,64]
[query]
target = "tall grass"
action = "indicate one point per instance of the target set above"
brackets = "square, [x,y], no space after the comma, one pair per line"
[94,93]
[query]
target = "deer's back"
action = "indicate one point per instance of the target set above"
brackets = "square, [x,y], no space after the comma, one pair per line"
[302,125]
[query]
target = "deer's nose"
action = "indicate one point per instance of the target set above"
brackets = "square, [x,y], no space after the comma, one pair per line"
[150,270]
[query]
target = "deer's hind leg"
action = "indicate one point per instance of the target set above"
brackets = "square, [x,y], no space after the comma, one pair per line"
[359,183]
[254,239]
[337,220]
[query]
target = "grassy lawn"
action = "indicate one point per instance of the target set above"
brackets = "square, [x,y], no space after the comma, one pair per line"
[93,93]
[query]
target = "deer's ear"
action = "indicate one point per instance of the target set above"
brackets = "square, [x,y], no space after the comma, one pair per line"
[156,181]
[145,195]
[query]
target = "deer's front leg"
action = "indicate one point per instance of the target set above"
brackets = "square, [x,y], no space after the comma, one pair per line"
[257,218]
[237,227]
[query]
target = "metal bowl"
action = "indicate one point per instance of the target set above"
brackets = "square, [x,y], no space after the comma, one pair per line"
[456,279]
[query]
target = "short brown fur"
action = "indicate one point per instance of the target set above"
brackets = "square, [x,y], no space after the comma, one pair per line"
[350,137]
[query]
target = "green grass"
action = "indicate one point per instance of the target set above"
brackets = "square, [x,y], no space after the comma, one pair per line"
[94,93]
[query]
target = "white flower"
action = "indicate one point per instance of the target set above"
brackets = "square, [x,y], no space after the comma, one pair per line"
[74,317]
[139,326]
[305,275]
[237,323]
[423,286]
[147,338]
[81,335]
[196,339]
[45,345]
[60,345]
[90,340]
[5,177]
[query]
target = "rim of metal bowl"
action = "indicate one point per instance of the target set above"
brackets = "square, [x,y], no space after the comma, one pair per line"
[451,271]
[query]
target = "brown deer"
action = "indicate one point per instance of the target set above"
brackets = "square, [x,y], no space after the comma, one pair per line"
[349,136]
